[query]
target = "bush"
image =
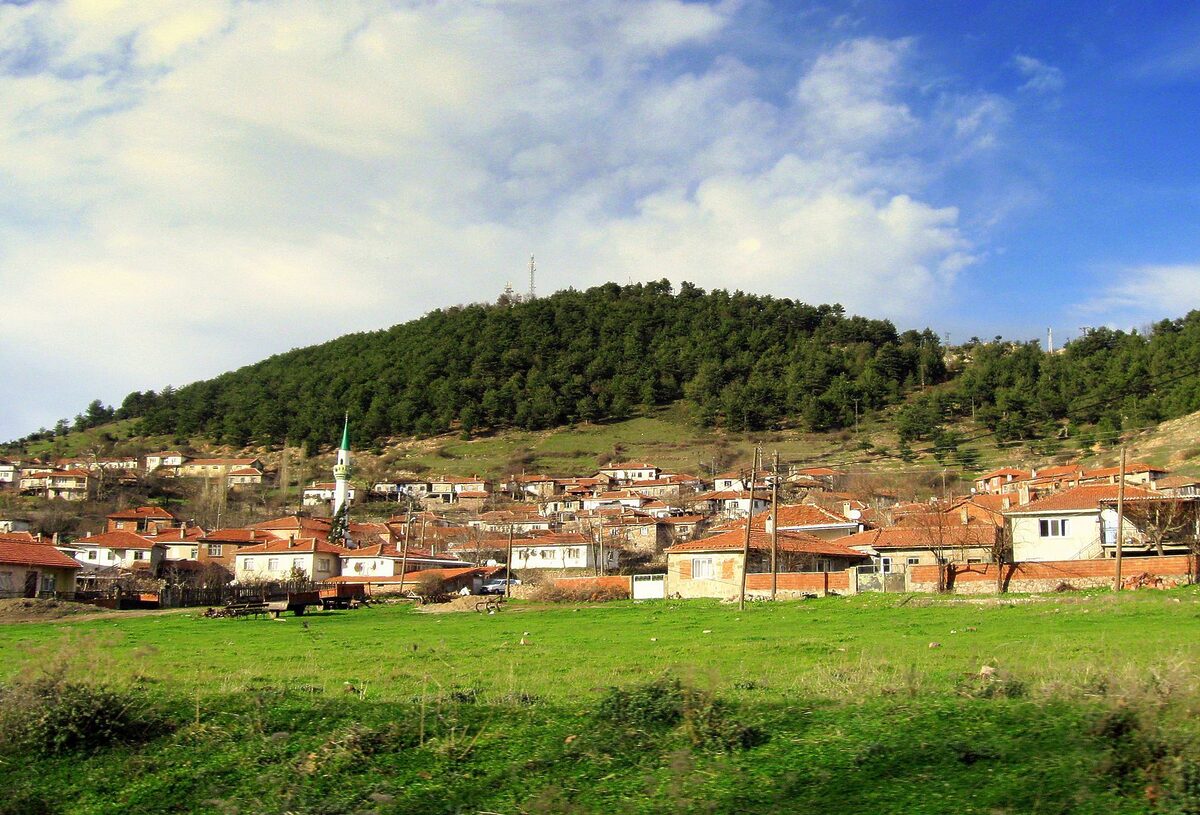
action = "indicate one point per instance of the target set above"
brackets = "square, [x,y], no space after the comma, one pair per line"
[585,592]
[52,716]
[711,724]
[653,705]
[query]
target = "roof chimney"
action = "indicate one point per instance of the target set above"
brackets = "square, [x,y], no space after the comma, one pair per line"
[1006,502]
[53,539]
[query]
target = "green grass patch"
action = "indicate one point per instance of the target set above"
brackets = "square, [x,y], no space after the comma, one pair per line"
[1089,703]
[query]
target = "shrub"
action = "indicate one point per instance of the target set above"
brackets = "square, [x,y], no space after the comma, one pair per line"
[655,704]
[585,592]
[52,715]
[711,724]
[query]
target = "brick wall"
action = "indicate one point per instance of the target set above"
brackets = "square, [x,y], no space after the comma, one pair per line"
[615,581]
[793,583]
[1047,575]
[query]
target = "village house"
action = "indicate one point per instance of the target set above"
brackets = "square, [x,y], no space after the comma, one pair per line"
[450,489]
[735,480]
[243,477]
[730,503]
[997,480]
[810,519]
[8,474]
[30,568]
[1067,525]
[524,486]
[669,487]
[683,527]
[451,580]
[614,498]
[390,560]
[896,548]
[216,467]
[320,493]
[68,485]
[712,567]
[1135,473]
[284,559]
[142,520]
[168,461]
[399,488]
[501,520]
[11,525]
[218,548]
[627,472]
[116,550]
[563,550]
[1179,486]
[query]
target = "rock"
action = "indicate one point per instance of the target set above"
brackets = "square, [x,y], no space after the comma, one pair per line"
[706,631]
[935,645]
[654,639]
[523,641]
[987,672]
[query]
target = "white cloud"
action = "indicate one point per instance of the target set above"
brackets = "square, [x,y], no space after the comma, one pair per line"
[1142,294]
[201,184]
[1039,76]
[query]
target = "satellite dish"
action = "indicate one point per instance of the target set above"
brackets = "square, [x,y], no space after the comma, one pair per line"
[854,514]
[1109,516]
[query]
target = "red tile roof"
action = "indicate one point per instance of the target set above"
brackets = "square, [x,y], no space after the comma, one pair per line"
[117,539]
[734,540]
[34,554]
[915,537]
[238,536]
[1130,469]
[1081,498]
[138,513]
[298,546]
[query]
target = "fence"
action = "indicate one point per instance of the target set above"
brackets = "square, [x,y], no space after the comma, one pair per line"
[793,583]
[1039,576]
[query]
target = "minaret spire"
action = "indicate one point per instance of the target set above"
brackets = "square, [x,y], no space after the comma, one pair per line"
[341,470]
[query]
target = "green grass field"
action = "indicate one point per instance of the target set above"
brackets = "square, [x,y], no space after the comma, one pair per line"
[833,705]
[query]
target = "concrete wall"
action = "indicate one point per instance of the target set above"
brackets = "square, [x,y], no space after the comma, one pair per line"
[1048,575]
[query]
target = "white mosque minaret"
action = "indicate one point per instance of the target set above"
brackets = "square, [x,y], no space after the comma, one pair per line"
[341,471]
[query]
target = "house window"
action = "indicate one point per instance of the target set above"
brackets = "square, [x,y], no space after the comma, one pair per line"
[92,553]
[214,550]
[572,553]
[194,552]
[702,568]
[885,565]
[6,581]
[323,564]
[48,582]
[912,561]
[974,560]
[141,555]
[297,563]
[273,564]
[248,564]
[1053,528]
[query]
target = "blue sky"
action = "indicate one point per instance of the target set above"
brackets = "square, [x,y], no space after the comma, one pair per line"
[192,185]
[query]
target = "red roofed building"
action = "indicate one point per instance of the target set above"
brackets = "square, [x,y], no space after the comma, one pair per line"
[1067,525]
[29,569]
[712,567]
[282,559]
[142,520]
[896,548]
[118,549]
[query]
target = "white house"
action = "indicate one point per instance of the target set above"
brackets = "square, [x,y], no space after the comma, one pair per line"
[629,471]
[387,560]
[730,503]
[281,559]
[319,493]
[117,549]
[168,460]
[614,498]
[1066,525]
[564,550]
[8,474]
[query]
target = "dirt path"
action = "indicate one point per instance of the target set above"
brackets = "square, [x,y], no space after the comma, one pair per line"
[59,611]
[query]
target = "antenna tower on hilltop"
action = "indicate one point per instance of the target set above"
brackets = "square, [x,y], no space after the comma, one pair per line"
[532,268]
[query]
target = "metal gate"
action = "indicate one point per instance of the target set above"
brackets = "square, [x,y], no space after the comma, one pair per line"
[649,586]
[871,579]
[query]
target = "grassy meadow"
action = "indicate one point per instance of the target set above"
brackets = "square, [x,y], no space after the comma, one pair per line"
[1088,703]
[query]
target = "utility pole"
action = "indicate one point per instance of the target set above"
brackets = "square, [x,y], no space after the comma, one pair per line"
[508,564]
[600,538]
[774,524]
[1120,519]
[403,563]
[855,418]
[746,543]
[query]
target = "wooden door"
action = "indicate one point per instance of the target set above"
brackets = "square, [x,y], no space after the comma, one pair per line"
[31,584]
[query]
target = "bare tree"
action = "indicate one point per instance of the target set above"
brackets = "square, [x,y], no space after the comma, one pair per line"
[1162,519]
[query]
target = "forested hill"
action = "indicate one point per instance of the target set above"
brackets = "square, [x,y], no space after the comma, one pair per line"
[745,361]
